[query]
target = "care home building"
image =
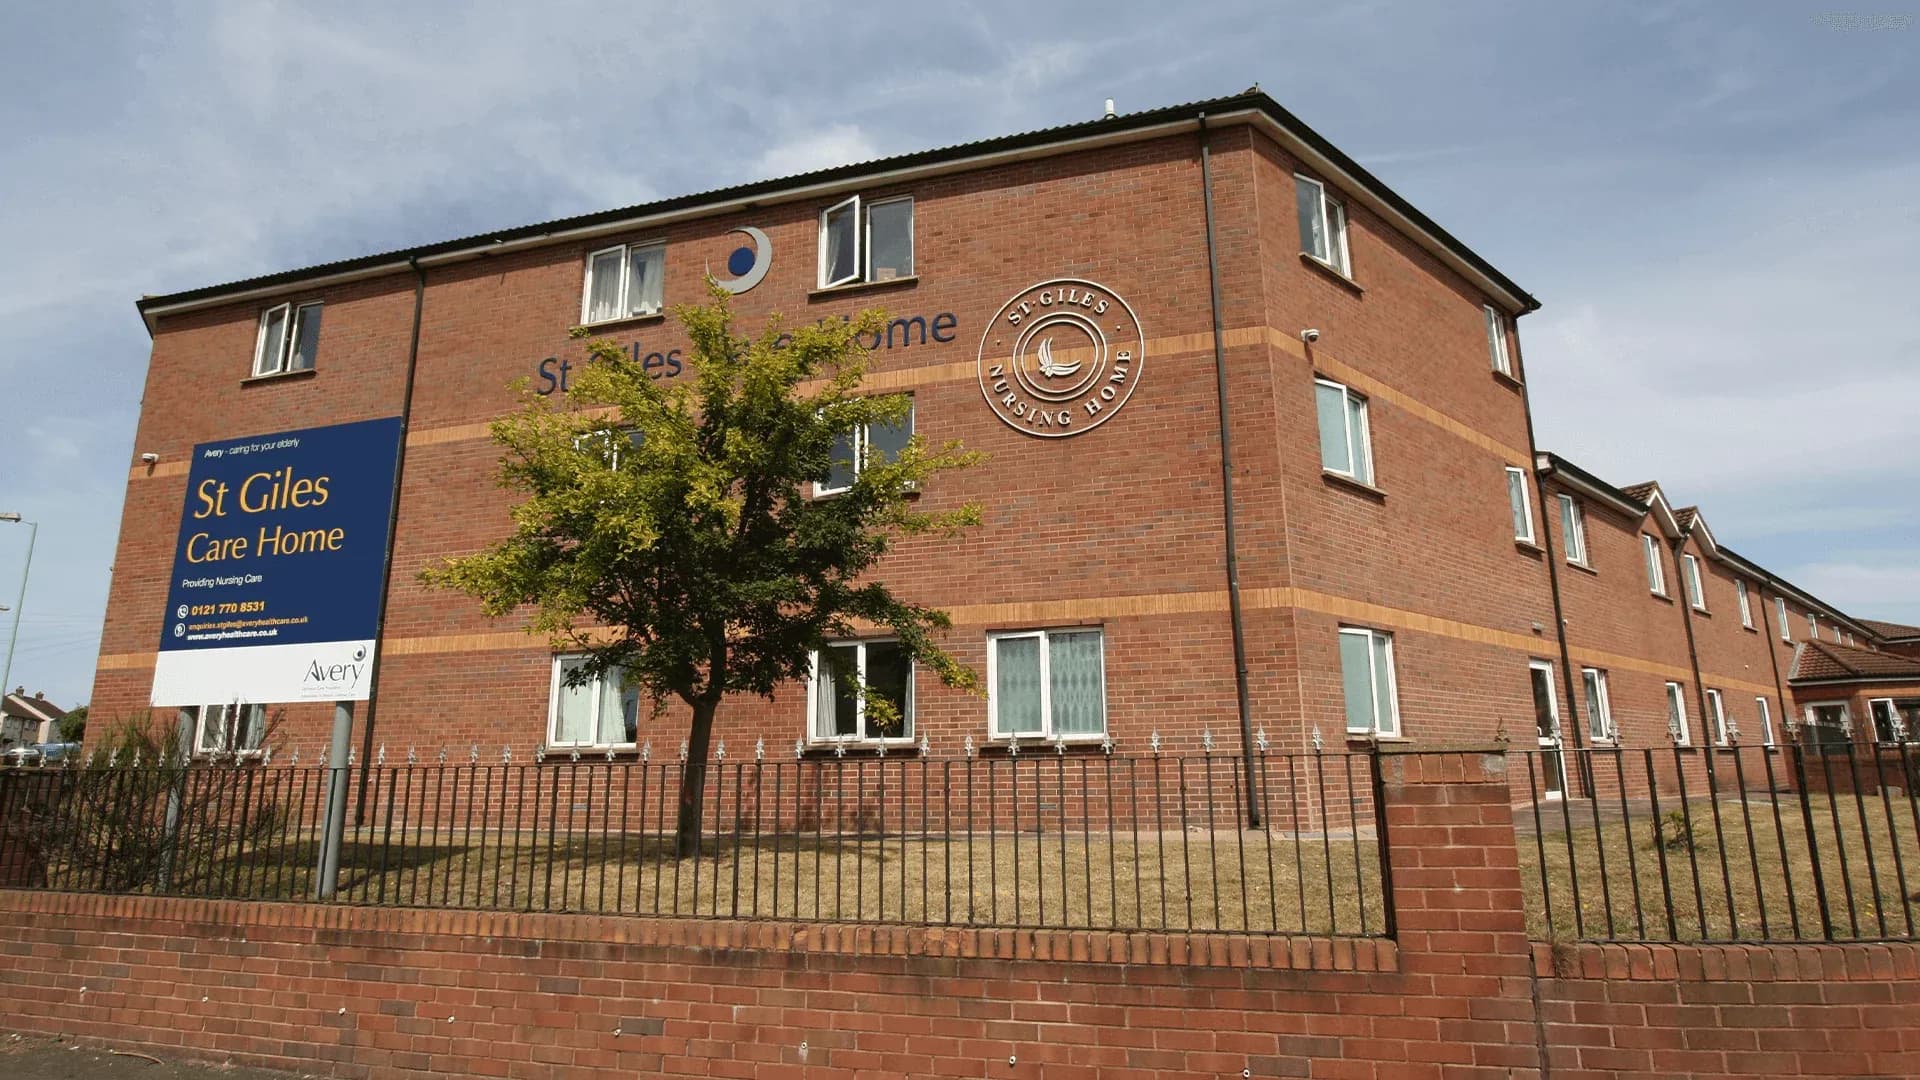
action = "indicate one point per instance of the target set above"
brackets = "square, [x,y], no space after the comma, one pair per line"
[1257,435]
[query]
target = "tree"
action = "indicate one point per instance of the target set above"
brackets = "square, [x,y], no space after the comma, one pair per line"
[73,726]
[669,531]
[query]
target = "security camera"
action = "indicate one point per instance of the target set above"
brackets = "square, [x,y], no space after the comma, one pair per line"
[1310,335]
[150,457]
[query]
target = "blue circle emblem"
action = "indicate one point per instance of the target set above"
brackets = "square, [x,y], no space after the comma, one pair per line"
[740,261]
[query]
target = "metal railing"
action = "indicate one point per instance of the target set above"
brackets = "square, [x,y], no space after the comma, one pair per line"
[1051,839]
[1722,844]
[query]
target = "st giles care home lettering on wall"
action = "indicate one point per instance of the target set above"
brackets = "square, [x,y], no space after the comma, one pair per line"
[278,569]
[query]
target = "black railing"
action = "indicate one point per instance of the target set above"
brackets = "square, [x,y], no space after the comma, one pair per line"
[1038,839]
[1722,844]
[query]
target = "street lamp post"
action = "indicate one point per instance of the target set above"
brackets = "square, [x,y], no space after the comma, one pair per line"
[13,638]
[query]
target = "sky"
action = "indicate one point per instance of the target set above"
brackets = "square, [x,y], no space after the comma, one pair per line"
[1717,204]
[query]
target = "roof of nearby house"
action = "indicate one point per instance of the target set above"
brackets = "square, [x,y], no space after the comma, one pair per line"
[35,708]
[1307,142]
[1892,631]
[1826,661]
[1686,516]
[1639,492]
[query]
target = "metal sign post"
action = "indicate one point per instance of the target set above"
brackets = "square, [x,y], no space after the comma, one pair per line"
[327,879]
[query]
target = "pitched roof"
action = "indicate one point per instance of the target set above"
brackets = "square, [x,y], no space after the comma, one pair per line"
[1639,492]
[1191,116]
[1892,630]
[1826,661]
[31,708]
[1686,516]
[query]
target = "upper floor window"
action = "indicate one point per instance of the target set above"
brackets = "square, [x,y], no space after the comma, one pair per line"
[1746,602]
[1813,627]
[866,242]
[623,282]
[1047,684]
[1573,526]
[1521,504]
[1696,589]
[862,691]
[230,729]
[1323,224]
[609,443]
[1780,616]
[1367,682]
[288,338]
[1497,341]
[1346,444]
[1656,567]
[869,442]
[600,711]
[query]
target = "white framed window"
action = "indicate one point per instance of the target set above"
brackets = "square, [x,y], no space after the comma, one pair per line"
[288,339]
[1677,715]
[1656,566]
[1717,718]
[1746,602]
[1780,616]
[1813,627]
[229,729]
[1884,720]
[623,281]
[611,443]
[1521,503]
[853,449]
[1573,529]
[1367,682]
[866,242]
[849,679]
[1323,224]
[1765,712]
[1599,705]
[601,711]
[1696,589]
[1828,726]
[1047,684]
[1346,441]
[1497,341]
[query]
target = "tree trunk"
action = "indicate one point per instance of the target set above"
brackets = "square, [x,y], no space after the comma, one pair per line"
[693,781]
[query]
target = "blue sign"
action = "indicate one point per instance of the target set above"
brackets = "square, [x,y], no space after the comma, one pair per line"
[279,566]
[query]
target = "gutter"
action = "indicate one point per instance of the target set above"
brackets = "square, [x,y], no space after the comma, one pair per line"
[1544,467]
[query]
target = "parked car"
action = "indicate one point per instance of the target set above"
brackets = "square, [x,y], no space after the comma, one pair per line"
[40,753]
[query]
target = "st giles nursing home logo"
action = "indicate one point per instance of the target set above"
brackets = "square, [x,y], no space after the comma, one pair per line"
[1061,357]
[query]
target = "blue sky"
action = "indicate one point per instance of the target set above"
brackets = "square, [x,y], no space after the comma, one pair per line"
[1719,204]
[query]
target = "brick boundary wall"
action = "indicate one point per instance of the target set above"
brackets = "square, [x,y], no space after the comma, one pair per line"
[1461,995]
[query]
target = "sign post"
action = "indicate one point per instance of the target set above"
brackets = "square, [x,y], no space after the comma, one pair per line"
[338,777]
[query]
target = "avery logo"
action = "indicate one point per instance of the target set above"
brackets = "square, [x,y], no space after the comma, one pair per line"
[336,674]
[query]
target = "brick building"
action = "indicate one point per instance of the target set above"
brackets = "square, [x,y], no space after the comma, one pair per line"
[1402,552]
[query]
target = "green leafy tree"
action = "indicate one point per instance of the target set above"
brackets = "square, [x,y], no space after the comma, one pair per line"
[668,531]
[73,726]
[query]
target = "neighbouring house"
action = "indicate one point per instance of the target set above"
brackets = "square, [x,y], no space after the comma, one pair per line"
[26,719]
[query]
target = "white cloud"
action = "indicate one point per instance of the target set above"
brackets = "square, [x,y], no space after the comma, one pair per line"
[841,144]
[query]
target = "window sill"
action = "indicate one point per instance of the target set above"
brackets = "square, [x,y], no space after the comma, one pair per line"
[1660,596]
[825,748]
[1698,610]
[829,291]
[1362,738]
[1583,568]
[253,380]
[1038,745]
[1333,272]
[1342,480]
[627,320]
[1528,547]
[1511,381]
[1751,629]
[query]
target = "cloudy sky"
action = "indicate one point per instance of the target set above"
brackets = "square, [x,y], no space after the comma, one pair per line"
[1719,204]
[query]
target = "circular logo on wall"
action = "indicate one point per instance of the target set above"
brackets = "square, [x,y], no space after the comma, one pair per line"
[1061,357]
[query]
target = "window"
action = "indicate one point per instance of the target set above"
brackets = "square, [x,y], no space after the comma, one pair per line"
[1885,720]
[1346,447]
[1323,224]
[1908,710]
[600,711]
[1047,684]
[852,450]
[609,443]
[1696,590]
[849,680]
[1813,627]
[1765,712]
[1521,503]
[1828,727]
[1780,616]
[1573,526]
[876,245]
[1717,719]
[228,729]
[1677,715]
[1599,705]
[623,282]
[1746,603]
[1656,567]
[289,337]
[1497,341]
[1366,681]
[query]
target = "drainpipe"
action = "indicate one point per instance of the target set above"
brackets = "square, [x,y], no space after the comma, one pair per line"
[1693,652]
[1773,657]
[1226,488]
[1540,472]
[393,525]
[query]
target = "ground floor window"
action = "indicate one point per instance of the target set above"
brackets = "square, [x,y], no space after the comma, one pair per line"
[1047,684]
[1766,720]
[1895,720]
[1828,726]
[862,690]
[1366,681]
[597,711]
[1677,715]
[229,729]
[1599,704]
[1717,719]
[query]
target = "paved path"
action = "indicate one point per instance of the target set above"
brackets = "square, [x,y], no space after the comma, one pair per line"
[35,1057]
